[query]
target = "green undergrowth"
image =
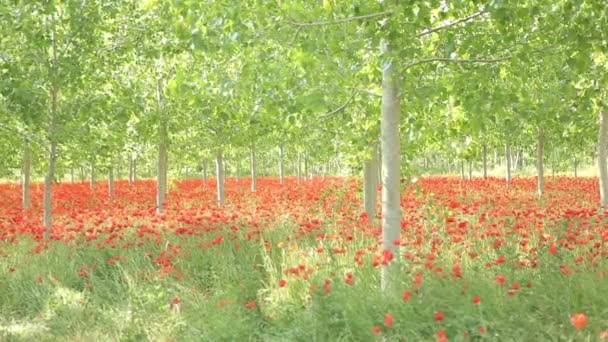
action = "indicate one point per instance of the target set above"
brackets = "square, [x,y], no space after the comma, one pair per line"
[231,291]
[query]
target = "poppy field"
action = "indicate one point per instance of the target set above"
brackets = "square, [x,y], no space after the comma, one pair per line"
[301,262]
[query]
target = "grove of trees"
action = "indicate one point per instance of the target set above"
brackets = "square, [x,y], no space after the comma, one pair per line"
[173,88]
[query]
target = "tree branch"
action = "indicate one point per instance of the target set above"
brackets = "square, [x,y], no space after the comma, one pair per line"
[339,21]
[455,60]
[341,108]
[428,31]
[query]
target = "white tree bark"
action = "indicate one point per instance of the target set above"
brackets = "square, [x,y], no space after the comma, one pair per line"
[219,175]
[281,170]
[92,179]
[391,174]
[485,161]
[299,167]
[111,182]
[370,184]
[602,155]
[470,165]
[205,175]
[50,174]
[508,159]
[539,162]
[27,169]
[254,184]
[161,185]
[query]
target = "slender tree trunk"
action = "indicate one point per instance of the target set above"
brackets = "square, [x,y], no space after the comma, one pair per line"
[485,161]
[72,175]
[508,159]
[370,181]
[219,172]
[27,167]
[495,157]
[205,175]
[602,155]
[134,169]
[539,162]
[130,169]
[575,167]
[306,174]
[470,169]
[92,180]
[515,162]
[50,174]
[379,164]
[111,182]
[281,171]
[462,169]
[254,184]
[391,173]
[161,186]
[299,167]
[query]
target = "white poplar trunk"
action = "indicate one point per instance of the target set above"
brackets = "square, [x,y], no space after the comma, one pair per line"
[391,173]
[539,162]
[205,175]
[27,167]
[219,175]
[50,174]
[508,159]
[281,171]
[92,180]
[602,155]
[485,161]
[299,167]
[370,184]
[470,170]
[161,185]
[254,184]
[111,182]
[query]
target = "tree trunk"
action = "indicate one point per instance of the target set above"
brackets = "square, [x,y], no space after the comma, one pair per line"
[370,184]
[50,174]
[515,163]
[111,182]
[306,175]
[27,168]
[575,167]
[130,169]
[72,175]
[205,175]
[470,170]
[485,161]
[508,159]
[253,170]
[539,162]
[602,155]
[281,171]
[462,169]
[92,180]
[299,167]
[161,186]
[219,175]
[391,173]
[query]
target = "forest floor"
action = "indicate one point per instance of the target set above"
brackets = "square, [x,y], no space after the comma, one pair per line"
[301,262]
